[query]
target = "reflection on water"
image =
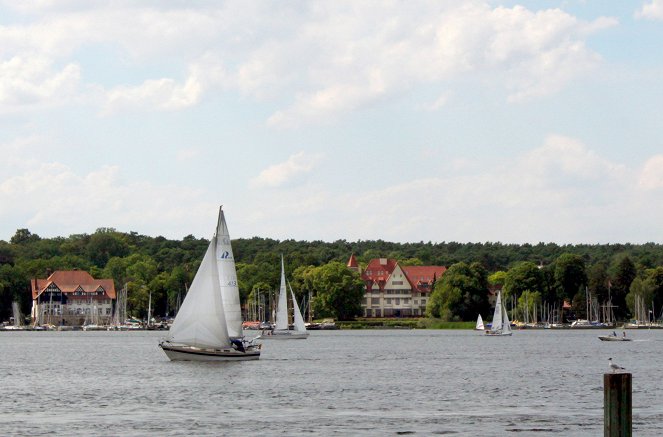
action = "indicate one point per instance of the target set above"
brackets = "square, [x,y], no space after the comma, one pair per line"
[335,383]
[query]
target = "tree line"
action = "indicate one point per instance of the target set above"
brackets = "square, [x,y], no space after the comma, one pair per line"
[165,267]
[613,289]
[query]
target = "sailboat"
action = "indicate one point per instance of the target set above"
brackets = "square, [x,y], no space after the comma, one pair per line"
[208,326]
[281,331]
[501,325]
[479,326]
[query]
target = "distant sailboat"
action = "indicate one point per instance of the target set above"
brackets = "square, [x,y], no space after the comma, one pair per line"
[281,330]
[479,326]
[204,328]
[501,325]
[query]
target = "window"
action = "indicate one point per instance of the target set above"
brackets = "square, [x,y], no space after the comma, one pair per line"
[375,301]
[398,301]
[388,301]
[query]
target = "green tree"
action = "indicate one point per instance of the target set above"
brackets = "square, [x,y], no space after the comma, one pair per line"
[523,276]
[597,281]
[528,302]
[338,291]
[497,278]
[624,274]
[641,292]
[461,293]
[104,245]
[570,275]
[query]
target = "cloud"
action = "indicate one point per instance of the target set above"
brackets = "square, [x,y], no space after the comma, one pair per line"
[26,82]
[530,54]
[651,11]
[561,191]
[315,63]
[651,176]
[98,198]
[279,174]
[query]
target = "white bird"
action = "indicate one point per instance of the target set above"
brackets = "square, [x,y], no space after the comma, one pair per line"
[614,367]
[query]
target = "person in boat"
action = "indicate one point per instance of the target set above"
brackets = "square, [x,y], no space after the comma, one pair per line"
[238,344]
[614,334]
[624,334]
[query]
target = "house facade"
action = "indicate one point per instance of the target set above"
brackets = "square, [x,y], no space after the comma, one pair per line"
[72,298]
[396,291]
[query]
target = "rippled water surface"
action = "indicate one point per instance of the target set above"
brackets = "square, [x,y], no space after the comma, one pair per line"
[395,382]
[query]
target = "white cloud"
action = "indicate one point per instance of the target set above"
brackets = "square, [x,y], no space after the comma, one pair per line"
[161,94]
[651,11]
[651,176]
[99,198]
[280,174]
[561,191]
[316,62]
[34,81]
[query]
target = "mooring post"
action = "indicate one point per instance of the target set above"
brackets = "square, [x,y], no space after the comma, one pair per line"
[617,405]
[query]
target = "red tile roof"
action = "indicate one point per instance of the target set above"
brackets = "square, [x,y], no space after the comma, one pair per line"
[69,281]
[422,277]
[352,262]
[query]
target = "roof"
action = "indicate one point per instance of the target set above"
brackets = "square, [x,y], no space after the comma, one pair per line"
[379,269]
[352,262]
[69,281]
[422,277]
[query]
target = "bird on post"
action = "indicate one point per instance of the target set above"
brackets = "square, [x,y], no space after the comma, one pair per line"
[614,367]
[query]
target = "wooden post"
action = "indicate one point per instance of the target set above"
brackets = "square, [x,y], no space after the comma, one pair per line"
[617,405]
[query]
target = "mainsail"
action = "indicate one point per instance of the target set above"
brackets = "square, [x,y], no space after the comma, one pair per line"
[282,308]
[201,321]
[497,315]
[227,278]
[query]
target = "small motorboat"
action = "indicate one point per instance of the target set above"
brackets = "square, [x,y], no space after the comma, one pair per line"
[613,338]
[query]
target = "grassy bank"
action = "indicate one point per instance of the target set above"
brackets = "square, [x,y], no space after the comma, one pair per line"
[410,323]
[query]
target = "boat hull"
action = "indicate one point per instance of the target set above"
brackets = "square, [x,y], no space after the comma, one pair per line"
[190,353]
[612,338]
[498,334]
[287,335]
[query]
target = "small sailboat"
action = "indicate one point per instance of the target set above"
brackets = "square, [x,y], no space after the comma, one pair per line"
[479,326]
[205,326]
[501,325]
[281,330]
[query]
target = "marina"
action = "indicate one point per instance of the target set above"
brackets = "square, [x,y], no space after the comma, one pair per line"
[362,382]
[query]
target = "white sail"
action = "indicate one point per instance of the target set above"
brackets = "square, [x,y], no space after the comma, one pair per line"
[506,324]
[299,320]
[497,315]
[479,325]
[200,321]
[227,277]
[282,308]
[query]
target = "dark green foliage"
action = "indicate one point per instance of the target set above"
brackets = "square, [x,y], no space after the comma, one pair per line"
[461,293]
[624,274]
[168,266]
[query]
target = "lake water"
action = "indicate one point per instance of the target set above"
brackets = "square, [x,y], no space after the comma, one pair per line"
[387,382]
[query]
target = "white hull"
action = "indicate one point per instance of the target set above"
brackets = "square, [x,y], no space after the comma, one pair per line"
[498,334]
[287,335]
[190,353]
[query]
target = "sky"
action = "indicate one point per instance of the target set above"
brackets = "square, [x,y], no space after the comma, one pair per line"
[407,121]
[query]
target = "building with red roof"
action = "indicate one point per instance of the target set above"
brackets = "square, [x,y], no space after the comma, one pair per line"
[72,297]
[395,291]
